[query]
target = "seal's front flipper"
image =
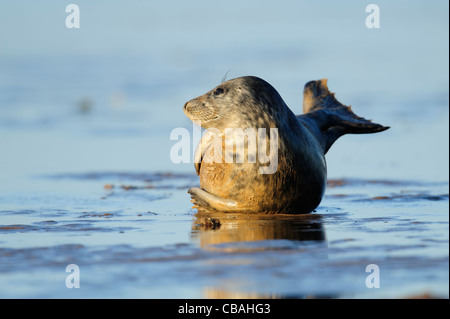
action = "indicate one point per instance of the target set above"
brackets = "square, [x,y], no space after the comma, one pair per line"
[328,118]
[202,147]
[207,200]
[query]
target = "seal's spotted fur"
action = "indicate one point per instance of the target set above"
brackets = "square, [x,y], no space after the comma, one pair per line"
[299,182]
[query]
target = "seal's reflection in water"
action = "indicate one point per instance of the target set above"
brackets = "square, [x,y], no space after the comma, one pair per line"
[244,234]
[216,228]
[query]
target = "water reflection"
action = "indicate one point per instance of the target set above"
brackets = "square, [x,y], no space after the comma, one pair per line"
[253,239]
[213,228]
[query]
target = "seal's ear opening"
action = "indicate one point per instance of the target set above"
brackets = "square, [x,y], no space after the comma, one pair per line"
[333,118]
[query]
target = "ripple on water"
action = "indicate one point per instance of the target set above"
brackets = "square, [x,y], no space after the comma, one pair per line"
[141,231]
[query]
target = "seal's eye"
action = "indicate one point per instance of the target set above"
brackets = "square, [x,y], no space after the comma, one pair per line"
[218,91]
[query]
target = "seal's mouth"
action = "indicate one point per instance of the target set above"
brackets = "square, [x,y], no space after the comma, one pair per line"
[187,110]
[196,111]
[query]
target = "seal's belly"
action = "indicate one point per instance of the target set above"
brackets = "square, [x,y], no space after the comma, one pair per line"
[240,182]
[213,176]
[226,180]
[287,190]
[229,180]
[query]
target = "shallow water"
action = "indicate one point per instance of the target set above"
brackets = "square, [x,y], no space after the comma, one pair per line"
[137,238]
[86,177]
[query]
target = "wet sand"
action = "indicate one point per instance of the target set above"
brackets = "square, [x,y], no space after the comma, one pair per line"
[134,236]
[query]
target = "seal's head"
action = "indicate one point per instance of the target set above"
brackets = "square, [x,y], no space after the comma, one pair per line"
[242,102]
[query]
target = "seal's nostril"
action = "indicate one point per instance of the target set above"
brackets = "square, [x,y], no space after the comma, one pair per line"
[185,106]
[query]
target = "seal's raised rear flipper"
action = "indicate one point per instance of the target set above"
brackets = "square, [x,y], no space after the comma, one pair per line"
[328,118]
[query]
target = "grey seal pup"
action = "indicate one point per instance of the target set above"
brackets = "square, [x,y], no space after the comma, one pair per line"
[298,183]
